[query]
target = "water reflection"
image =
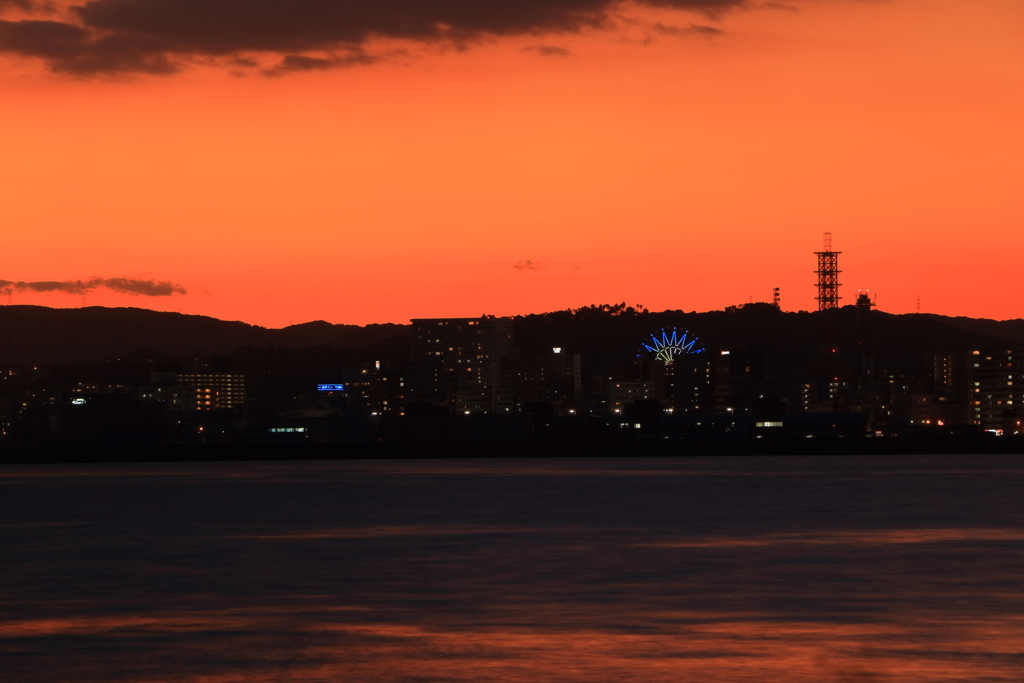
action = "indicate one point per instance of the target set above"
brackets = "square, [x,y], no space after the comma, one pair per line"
[691,570]
[870,538]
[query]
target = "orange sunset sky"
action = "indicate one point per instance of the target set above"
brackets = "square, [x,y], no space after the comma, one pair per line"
[357,162]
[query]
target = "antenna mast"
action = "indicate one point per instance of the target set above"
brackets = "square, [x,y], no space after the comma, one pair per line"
[828,275]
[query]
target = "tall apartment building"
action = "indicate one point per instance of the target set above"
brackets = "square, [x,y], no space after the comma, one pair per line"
[377,387]
[738,378]
[566,373]
[995,387]
[207,389]
[462,357]
[684,385]
[625,392]
[213,390]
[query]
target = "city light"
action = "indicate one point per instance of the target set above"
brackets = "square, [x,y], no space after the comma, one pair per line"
[667,347]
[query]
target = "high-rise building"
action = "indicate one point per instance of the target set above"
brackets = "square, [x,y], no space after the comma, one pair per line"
[623,393]
[684,385]
[377,388]
[213,390]
[738,375]
[995,386]
[453,355]
[566,373]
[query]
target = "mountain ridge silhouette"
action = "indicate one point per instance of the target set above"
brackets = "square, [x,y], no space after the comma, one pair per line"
[38,334]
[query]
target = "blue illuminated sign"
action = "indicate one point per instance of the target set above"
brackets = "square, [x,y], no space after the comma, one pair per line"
[330,387]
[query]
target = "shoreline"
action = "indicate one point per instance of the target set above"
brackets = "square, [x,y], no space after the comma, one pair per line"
[95,453]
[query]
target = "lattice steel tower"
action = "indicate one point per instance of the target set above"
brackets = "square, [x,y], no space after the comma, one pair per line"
[828,276]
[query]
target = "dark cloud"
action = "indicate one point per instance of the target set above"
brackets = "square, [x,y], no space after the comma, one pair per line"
[247,62]
[705,30]
[549,50]
[158,36]
[71,49]
[47,39]
[304,63]
[293,63]
[527,264]
[20,4]
[692,29]
[121,285]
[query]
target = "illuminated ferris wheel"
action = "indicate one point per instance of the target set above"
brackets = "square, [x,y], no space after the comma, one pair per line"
[667,347]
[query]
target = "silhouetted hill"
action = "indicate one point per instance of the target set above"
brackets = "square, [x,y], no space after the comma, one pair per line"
[1010,329]
[606,335]
[36,334]
[612,335]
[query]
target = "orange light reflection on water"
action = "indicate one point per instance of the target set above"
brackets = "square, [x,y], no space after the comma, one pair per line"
[648,571]
[698,646]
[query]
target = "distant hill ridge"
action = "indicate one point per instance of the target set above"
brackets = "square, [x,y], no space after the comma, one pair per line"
[37,334]
[1008,329]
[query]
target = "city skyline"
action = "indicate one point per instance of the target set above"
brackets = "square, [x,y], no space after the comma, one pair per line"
[684,158]
[98,374]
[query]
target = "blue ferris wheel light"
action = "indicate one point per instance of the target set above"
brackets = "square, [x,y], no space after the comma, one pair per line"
[666,346]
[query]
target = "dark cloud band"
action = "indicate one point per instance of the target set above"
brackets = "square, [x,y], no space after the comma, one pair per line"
[155,36]
[121,285]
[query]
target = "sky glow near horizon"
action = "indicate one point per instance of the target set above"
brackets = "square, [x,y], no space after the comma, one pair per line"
[659,156]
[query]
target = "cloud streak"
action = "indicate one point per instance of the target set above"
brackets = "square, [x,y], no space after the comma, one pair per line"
[121,285]
[293,63]
[691,30]
[549,50]
[111,37]
[528,265]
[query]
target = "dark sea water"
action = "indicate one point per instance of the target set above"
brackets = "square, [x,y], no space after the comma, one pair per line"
[647,570]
